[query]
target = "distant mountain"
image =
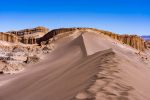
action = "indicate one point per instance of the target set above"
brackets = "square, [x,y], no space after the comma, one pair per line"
[146,37]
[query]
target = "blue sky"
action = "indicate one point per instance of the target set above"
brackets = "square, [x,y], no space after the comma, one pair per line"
[120,16]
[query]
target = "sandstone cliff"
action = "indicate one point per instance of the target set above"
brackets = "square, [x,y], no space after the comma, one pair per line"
[54,32]
[8,37]
[29,31]
[132,40]
[29,36]
[38,35]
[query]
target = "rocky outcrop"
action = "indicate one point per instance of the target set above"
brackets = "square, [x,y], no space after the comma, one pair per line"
[29,36]
[32,59]
[29,31]
[38,35]
[28,40]
[8,37]
[132,40]
[52,33]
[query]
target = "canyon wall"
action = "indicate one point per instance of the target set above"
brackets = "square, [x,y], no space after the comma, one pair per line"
[132,40]
[29,36]
[54,32]
[28,40]
[32,36]
[29,31]
[8,37]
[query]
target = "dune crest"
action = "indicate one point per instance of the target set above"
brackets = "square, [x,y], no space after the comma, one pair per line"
[89,67]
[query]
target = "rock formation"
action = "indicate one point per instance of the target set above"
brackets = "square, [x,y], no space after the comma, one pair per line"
[29,31]
[52,33]
[8,37]
[31,59]
[38,35]
[132,40]
[29,36]
[28,40]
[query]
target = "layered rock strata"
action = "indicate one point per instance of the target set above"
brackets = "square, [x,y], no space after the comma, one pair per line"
[29,31]
[132,40]
[8,37]
[29,36]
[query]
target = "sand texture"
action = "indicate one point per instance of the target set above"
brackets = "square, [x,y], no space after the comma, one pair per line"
[83,66]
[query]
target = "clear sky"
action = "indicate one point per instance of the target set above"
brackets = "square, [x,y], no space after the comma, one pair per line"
[120,16]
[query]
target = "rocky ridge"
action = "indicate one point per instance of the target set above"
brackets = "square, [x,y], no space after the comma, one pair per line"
[14,58]
[40,34]
[29,36]
[27,50]
[8,37]
[132,40]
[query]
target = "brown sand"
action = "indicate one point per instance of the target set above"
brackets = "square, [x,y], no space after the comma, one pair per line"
[70,72]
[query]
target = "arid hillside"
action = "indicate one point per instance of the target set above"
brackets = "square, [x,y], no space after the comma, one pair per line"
[29,36]
[83,65]
[29,31]
[43,35]
[18,47]
[8,37]
[132,40]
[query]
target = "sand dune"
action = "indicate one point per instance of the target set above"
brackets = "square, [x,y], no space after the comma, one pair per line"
[89,67]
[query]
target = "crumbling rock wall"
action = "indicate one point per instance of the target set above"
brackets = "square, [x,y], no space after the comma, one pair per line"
[8,37]
[29,31]
[52,33]
[28,40]
[132,40]
[24,34]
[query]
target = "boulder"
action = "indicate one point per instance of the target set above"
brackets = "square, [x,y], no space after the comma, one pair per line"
[32,59]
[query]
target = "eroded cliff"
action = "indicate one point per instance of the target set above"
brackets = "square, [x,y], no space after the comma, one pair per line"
[8,37]
[38,35]
[132,40]
[29,36]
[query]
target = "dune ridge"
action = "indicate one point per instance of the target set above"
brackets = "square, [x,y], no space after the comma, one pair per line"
[109,85]
[52,80]
[83,68]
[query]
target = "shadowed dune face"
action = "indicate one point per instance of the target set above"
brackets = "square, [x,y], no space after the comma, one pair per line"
[89,67]
[63,73]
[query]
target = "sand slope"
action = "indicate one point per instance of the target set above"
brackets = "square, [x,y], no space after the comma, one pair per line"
[70,72]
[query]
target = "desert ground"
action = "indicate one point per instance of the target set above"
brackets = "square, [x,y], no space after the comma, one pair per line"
[75,65]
